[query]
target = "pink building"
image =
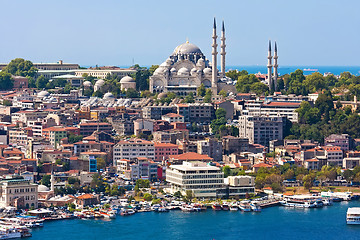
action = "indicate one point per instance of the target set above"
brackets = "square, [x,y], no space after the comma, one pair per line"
[163,150]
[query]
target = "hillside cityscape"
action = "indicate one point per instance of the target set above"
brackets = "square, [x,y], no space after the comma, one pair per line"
[186,134]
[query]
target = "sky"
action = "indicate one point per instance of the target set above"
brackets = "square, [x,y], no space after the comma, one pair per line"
[116,32]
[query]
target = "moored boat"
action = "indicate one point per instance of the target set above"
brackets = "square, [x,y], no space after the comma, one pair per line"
[353,216]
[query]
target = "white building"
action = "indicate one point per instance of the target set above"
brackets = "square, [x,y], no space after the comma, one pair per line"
[132,149]
[203,180]
[272,109]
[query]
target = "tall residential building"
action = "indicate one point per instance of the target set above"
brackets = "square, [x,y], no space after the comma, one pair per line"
[261,129]
[211,147]
[132,149]
[341,140]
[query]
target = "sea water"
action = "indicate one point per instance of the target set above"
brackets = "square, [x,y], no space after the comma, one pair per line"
[272,223]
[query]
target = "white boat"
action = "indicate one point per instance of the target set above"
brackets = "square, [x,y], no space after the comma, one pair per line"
[353,215]
[234,207]
[245,206]
[255,207]
[344,196]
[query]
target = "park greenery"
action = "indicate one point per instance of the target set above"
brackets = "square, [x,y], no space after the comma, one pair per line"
[274,177]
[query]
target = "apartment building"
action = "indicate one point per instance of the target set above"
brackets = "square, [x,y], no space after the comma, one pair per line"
[272,109]
[210,147]
[196,112]
[164,150]
[261,129]
[86,129]
[155,112]
[132,149]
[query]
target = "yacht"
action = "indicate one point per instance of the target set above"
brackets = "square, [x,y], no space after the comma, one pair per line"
[353,215]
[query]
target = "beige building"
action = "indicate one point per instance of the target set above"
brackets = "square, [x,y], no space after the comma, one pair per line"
[19,193]
[132,149]
[102,73]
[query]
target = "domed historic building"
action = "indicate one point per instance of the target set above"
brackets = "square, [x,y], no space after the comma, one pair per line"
[187,68]
[127,82]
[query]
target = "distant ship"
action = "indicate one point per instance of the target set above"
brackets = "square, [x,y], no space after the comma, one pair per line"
[311,69]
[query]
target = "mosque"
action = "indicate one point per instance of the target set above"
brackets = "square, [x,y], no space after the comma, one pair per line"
[187,68]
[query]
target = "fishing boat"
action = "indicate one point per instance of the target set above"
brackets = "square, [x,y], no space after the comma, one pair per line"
[353,216]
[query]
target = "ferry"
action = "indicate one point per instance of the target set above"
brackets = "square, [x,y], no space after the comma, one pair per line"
[353,215]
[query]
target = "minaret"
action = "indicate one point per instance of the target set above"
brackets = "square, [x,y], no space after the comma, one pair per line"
[223,53]
[52,181]
[214,62]
[275,67]
[269,66]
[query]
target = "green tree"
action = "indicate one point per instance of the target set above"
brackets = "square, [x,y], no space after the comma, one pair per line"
[223,93]
[208,96]
[41,82]
[201,90]
[101,164]
[132,93]
[227,170]
[220,113]
[189,98]
[148,197]
[235,74]
[6,82]
[20,67]
[46,180]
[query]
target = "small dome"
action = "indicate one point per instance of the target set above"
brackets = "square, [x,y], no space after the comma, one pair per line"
[43,94]
[127,79]
[207,71]
[164,64]
[100,82]
[183,71]
[159,70]
[200,61]
[162,95]
[43,188]
[108,95]
[173,70]
[87,84]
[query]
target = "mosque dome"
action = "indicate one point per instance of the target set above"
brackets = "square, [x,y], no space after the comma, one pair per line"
[173,70]
[43,94]
[183,71]
[187,48]
[207,71]
[162,95]
[100,82]
[87,84]
[43,188]
[108,96]
[159,70]
[127,79]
